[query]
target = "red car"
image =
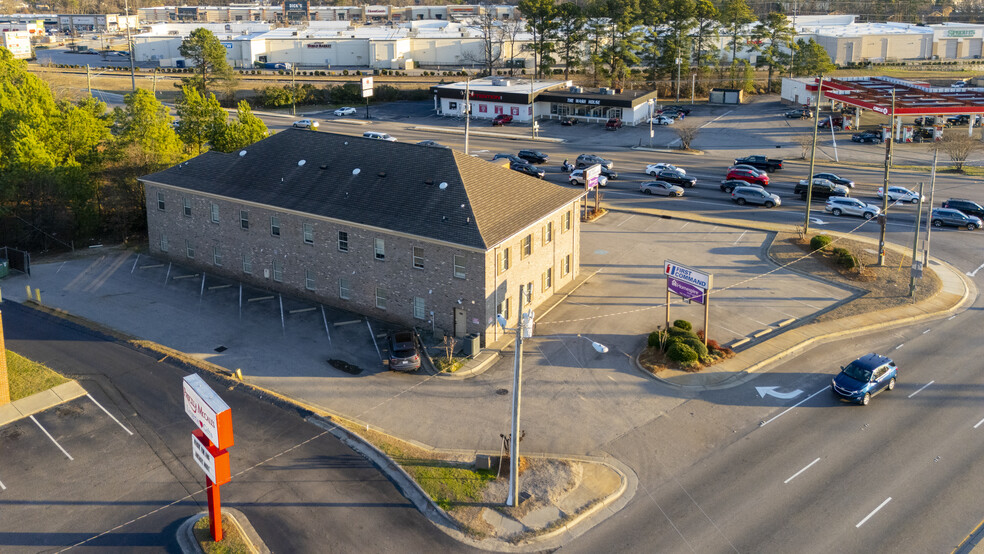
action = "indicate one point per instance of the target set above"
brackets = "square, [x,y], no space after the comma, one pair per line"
[749,176]
[501,119]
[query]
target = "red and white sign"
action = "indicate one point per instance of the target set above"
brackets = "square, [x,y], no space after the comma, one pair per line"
[366,87]
[214,462]
[209,412]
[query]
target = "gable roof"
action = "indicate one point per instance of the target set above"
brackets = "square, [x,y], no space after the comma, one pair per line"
[430,192]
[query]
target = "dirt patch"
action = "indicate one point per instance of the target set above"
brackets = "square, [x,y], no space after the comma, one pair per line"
[881,287]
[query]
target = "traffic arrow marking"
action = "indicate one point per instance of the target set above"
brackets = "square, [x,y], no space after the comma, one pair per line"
[773,391]
[818,221]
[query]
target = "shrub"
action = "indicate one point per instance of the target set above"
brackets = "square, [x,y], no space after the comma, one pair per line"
[653,341]
[683,324]
[819,242]
[677,332]
[680,352]
[847,260]
[698,346]
[839,252]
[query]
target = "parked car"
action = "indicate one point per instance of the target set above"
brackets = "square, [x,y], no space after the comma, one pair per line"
[833,178]
[954,218]
[838,205]
[513,159]
[958,120]
[345,111]
[404,354]
[931,120]
[669,110]
[676,178]
[754,195]
[306,124]
[959,84]
[653,169]
[874,137]
[748,177]
[568,121]
[822,188]
[661,187]
[533,156]
[663,120]
[609,173]
[501,119]
[864,378]
[577,178]
[729,185]
[802,113]
[528,169]
[613,124]
[827,120]
[584,160]
[966,206]
[900,194]
[432,143]
[761,162]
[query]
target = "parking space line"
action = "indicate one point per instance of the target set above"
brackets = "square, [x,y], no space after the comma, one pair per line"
[740,237]
[978,424]
[109,414]
[921,388]
[45,431]
[873,512]
[2,486]
[795,475]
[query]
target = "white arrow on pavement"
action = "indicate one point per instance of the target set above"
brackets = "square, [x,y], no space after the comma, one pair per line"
[818,221]
[771,391]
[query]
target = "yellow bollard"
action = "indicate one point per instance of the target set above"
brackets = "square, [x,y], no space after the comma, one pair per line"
[239,374]
[37,293]
[1,296]
[29,295]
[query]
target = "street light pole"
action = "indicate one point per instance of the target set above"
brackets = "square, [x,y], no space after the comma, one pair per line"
[813,156]
[929,218]
[129,46]
[915,243]
[650,122]
[532,112]
[467,109]
[888,164]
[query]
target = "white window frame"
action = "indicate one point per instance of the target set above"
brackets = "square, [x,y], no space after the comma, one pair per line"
[548,233]
[565,222]
[308,231]
[459,274]
[216,256]
[526,247]
[343,243]
[275,225]
[213,210]
[380,298]
[164,242]
[160,200]
[418,260]
[309,280]
[278,271]
[244,219]
[187,207]
[189,249]
[344,289]
[548,279]
[247,263]
[419,308]
[379,249]
[502,263]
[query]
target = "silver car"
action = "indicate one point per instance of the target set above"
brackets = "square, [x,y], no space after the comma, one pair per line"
[577,178]
[838,205]
[661,187]
[755,195]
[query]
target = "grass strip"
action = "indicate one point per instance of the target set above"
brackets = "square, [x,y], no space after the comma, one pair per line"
[233,541]
[27,377]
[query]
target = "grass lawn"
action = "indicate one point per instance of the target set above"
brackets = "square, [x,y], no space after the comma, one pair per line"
[27,377]
[232,542]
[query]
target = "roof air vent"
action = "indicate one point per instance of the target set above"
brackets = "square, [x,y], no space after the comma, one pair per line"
[356,171]
[301,162]
[442,186]
[242,153]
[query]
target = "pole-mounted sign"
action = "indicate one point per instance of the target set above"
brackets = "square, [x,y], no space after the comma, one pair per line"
[209,442]
[691,284]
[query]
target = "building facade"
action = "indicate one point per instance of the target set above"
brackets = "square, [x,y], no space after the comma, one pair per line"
[411,234]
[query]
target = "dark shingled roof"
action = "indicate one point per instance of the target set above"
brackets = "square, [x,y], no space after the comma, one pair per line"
[391,185]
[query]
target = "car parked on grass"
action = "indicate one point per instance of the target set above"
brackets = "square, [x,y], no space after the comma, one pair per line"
[748,176]
[528,169]
[838,205]
[577,178]
[513,159]
[954,218]
[501,119]
[729,185]
[663,120]
[864,378]
[306,124]
[874,137]
[676,178]
[661,188]
[404,355]
[344,111]
[833,178]
[584,160]
[755,195]
[900,194]
[968,207]
[653,169]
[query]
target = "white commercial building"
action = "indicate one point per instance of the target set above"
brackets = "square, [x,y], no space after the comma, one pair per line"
[110,22]
[18,42]
[957,41]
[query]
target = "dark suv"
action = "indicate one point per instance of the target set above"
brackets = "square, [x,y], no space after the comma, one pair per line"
[864,378]
[966,206]
[676,178]
[403,352]
[867,136]
[533,156]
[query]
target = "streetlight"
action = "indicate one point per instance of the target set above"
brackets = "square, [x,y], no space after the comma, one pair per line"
[523,331]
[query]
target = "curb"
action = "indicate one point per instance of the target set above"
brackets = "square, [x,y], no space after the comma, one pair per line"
[189,544]
[458,131]
[41,401]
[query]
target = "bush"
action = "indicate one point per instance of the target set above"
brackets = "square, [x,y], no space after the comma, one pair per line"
[698,346]
[819,242]
[677,332]
[847,260]
[838,252]
[683,324]
[680,352]
[653,340]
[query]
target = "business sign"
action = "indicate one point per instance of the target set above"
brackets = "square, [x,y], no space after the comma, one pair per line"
[689,292]
[589,101]
[376,10]
[214,462]
[960,33]
[591,176]
[209,412]
[366,87]
[687,275]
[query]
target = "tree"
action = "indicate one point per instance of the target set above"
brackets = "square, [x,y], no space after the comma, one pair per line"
[202,118]
[778,34]
[239,134]
[959,146]
[571,34]
[735,16]
[620,48]
[145,132]
[812,59]
[209,58]
[510,32]
[654,21]
[686,132]
[540,22]
[705,28]
[676,44]
[492,39]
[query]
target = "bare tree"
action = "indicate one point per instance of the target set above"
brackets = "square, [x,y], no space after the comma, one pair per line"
[510,32]
[959,146]
[686,132]
[805,143]
[493,36]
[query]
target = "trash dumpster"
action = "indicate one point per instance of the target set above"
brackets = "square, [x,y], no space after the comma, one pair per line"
[473,345]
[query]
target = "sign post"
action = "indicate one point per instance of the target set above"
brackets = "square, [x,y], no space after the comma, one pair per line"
[591,182]
[692,285]
[209,442]
[367,92]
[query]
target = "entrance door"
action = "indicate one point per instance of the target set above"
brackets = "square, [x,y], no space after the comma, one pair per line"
[459,322]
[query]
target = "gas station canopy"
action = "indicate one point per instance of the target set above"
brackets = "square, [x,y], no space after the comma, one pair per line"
[911,97]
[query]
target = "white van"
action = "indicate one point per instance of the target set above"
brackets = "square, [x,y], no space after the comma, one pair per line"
[378,136]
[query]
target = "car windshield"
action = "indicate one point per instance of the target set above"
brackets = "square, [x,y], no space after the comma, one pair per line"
[857,372]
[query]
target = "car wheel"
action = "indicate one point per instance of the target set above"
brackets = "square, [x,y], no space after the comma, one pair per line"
[652,173]
[575,183]
[740,201]
[836,211]
[914,201]
[866,399]
[971,226]
[891,384]
[729,190]
[647,191]
[937,223]
[868,215]
[769,204]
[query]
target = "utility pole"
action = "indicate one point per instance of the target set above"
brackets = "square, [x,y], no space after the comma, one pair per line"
[813,156]
[129,46]
[888,164]
[693,87]
[155,82]
[467,109]
[929,214]
[915,242]
[532,109]
[88,79]
[293,94]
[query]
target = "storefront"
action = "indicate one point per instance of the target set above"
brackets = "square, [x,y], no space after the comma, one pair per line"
[631,106]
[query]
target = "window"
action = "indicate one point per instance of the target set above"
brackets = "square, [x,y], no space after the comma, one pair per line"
[160,200]
[342,241]
[419,309]
[187,207]
[380,298]
[418,257]
[565,266]
[379,247]
[278,271]
[503,260]
[244,219]
[527,294]
[189,249]
[163,242]
[344,290]
[526,247]
[216,256]
[547,279]
[308,233]
[565,222]
[503,308]
[309,279]
[452,105]
[275,225]
[247,263]
[548,232]
[213,209]
[459,266]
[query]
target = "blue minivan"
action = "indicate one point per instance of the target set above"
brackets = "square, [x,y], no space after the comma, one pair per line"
[864,378]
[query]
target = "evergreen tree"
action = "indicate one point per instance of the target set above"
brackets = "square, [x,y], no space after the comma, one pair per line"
[811,59]
[705,28]
[202,118]
[239,134]
[540,22]
[735,16]
[571,34]
[208,56]
[146,134]
[620,48]
[778,34]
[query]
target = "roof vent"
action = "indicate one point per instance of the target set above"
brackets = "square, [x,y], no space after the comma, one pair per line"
[242,153]
[382,174]
[301,162]
[428,181]
[356,171]
[325,166]
[442,186]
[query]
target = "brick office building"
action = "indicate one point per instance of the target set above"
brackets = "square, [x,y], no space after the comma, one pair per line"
[406,233]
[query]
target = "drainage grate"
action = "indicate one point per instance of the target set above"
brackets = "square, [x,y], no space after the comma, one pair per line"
[221,349]
[502,392]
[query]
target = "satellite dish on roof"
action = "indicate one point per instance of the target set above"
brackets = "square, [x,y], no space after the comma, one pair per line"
[356,171]
[442,186]
[242,153]
[301,162]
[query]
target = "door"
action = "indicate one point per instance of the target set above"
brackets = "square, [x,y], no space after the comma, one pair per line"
[459,322]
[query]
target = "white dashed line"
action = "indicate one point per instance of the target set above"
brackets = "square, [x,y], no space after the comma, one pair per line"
[951,317]
[45,431]
[921,388]
[764,423]
[2,486]
[978,424]
[900,346]
[624,221]
[109,414]
[801,471]
[873,512]
[926,331]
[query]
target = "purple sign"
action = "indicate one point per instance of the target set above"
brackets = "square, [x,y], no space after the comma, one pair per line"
[686,290]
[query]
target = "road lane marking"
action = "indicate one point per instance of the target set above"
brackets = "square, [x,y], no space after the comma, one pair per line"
[900,346]
[921,388]
[109,414]
[880,506]
[926,331]
[978,424]
[972,273]
[624,221]
[764,423]
[2,486]
[45,431]
[951,317]
[801,471]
